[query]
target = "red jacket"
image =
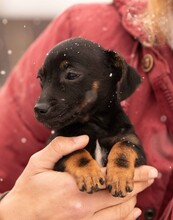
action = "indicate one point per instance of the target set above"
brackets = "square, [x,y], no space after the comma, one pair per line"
[150,108]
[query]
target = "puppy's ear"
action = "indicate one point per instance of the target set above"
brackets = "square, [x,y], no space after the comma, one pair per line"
[128,78]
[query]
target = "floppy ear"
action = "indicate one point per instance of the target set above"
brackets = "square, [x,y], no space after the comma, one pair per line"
[129,79]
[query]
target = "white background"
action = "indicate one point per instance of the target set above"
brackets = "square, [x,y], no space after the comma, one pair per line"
[37,8]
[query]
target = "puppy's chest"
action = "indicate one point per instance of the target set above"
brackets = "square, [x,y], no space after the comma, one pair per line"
[100,154]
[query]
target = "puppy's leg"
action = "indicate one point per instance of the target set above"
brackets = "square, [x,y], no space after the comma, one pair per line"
[85,170]
[120,167]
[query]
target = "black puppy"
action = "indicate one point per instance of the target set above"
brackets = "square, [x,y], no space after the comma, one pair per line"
[82,86]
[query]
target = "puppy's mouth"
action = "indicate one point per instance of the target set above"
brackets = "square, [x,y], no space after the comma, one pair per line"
[57,121]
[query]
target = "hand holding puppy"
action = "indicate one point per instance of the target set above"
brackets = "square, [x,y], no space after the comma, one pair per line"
[41,193]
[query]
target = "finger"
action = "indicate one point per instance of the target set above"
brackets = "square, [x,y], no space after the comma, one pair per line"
[117,212]
[97,201]
[144,173]
[136,212]
[55,150]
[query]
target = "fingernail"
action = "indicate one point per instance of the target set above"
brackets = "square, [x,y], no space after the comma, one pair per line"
[137,213]
[153,173]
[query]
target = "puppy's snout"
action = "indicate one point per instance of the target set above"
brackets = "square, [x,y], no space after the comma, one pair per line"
[41,108]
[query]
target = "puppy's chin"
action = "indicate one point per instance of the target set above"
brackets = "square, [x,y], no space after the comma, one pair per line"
[59,122]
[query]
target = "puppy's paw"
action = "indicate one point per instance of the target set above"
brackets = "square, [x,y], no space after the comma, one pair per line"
[90,179]
[119,181]
[86,171]
[120,169]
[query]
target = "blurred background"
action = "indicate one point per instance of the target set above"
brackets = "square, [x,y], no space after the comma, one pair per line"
[21,21]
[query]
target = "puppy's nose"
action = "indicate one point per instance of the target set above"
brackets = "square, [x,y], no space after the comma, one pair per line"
[41,108]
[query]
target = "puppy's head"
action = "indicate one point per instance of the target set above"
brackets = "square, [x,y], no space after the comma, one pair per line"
[79,79]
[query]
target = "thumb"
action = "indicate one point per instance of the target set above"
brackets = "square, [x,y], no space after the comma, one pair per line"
[54,151]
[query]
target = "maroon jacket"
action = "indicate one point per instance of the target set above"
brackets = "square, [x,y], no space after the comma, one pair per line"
[150,108]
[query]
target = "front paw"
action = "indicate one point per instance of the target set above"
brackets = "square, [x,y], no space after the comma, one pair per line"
[120,169]
[119,181]
[86,171]
[90,178]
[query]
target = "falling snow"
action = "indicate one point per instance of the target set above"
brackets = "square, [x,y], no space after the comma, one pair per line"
[23,140]
[104,28]
[159,175]
[163,118]
[52,132]
[4,21]
[3,72]
[9,52]
[132,55]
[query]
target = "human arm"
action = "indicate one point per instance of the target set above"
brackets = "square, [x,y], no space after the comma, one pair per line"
[41,193]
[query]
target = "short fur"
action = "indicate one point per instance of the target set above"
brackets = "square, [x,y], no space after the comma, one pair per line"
[82,86]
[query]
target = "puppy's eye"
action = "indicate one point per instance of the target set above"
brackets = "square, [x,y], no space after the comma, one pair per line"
[40,73]
[40,76]
[72,76]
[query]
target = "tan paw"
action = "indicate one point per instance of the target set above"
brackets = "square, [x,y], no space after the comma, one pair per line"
[119,181]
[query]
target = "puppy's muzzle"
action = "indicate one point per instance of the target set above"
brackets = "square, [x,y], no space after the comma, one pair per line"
[41,108]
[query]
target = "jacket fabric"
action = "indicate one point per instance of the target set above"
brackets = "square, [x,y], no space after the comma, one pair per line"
[116,27]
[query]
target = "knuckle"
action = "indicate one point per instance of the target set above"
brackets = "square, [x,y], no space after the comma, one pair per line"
[55,146]
[61,144]
[58,144]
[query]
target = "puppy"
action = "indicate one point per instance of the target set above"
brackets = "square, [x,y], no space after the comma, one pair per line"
[82,87]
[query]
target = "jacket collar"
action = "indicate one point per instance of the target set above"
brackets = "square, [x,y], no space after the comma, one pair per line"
[129,12]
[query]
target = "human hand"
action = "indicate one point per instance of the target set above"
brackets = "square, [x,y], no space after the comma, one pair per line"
[41,193]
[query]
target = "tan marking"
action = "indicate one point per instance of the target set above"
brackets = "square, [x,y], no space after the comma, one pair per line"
[91,95]
[63,65]
[120,179]
[95,85]
[88,177]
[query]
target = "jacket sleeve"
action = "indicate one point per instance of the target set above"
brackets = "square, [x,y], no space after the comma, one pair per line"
[21,135]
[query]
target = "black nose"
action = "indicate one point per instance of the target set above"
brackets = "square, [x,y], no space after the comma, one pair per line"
[41,108]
